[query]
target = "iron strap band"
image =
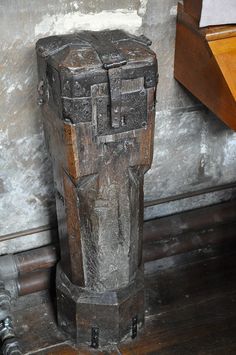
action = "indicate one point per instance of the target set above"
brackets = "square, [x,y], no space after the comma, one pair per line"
[112,61]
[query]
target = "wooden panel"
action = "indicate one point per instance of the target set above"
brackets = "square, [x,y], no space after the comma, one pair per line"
[219,32]
[193,230]
[193,8]
[224,51]
[210,33]
[191,221]
[220,236]
[190,298]
[199,71]
[191,309]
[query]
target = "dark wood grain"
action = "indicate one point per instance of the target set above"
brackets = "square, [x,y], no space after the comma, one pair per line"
[189,221]
[193,8]
[221,236]
[190,297]
[205,229]
[97,91]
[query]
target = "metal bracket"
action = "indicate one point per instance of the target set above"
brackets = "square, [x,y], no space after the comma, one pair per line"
[43,93]
[108,53]
[134,327]
[112,61]
[114,76]
[95,337]
[143,39]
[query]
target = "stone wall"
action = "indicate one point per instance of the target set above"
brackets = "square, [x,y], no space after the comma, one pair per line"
[194,151]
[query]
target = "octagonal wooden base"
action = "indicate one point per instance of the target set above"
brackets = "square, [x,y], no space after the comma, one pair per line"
[99,319]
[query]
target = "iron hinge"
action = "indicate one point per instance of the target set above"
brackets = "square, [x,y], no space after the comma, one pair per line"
[95,337]
[134,330]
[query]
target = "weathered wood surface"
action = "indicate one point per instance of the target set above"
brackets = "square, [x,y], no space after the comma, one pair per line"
[203,229]
[190,309]
[207,227]
[97,92]
[161,229]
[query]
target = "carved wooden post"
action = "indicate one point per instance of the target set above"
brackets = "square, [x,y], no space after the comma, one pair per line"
[97,91]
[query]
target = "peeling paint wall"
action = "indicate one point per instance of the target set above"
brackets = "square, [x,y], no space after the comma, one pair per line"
[193,149]
[26,190]
[64,23]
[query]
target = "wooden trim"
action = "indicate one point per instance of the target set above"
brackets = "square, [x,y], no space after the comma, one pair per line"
[197,69]
[193,8]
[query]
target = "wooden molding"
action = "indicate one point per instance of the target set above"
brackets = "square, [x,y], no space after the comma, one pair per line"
[193,8]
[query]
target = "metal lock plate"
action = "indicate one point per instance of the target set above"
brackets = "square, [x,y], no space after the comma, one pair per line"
[132,114]
[83,61]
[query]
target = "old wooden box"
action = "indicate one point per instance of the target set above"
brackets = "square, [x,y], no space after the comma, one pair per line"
[97,92]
